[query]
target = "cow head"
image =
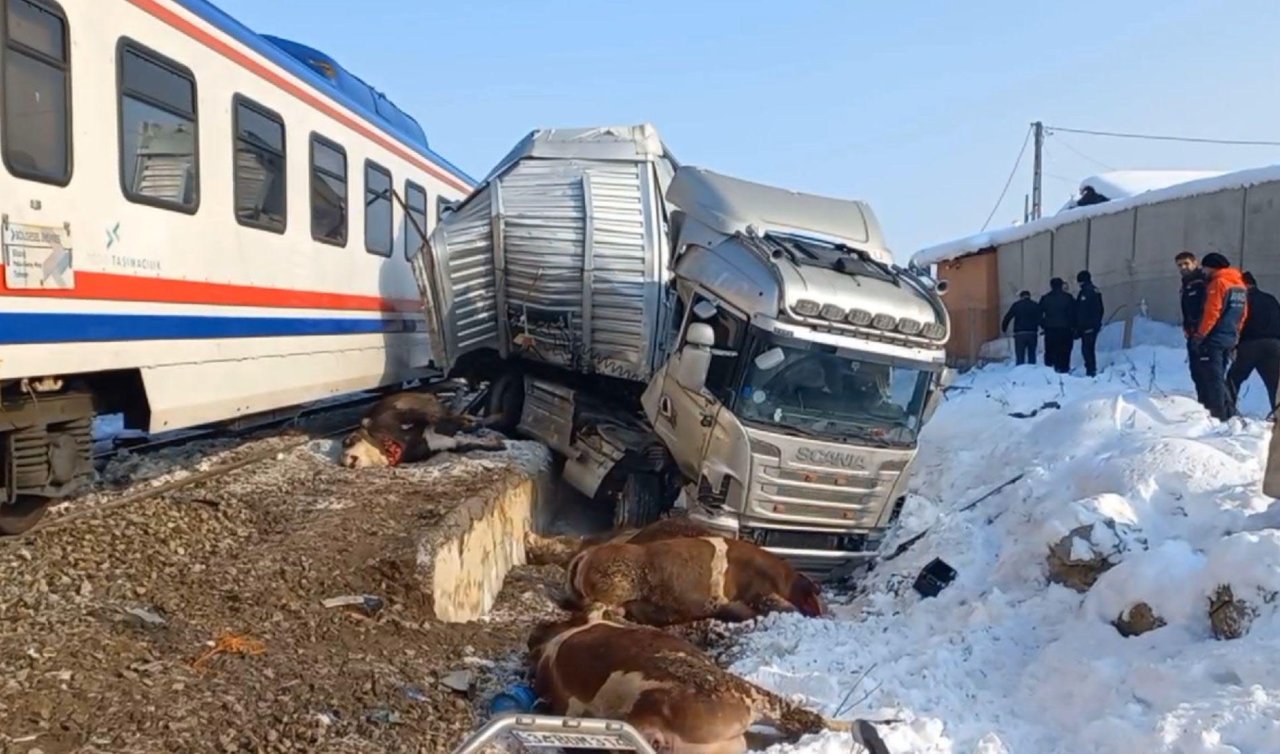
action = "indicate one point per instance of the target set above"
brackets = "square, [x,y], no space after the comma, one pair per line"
[381,442]
[806,595]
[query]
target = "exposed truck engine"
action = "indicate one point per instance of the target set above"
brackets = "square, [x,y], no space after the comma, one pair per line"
[686,338]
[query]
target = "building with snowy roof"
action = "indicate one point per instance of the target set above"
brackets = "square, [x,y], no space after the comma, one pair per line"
[1125,228]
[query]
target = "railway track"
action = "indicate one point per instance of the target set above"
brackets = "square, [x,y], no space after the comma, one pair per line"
[247,430]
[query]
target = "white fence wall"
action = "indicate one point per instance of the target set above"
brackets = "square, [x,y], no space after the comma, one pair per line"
[1130,253]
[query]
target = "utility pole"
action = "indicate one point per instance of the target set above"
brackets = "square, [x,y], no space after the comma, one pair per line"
[1026,209]
[1036,169]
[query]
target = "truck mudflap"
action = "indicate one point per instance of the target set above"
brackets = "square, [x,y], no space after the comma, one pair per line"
[550,733]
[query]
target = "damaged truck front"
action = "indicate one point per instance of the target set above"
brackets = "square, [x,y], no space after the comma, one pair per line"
[682,337]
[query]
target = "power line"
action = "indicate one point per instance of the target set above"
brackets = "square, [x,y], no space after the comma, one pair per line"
[1078,153]
[1153,137]
[1012,173]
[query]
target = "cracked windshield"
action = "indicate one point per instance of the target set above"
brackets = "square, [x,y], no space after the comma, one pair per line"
[814,391]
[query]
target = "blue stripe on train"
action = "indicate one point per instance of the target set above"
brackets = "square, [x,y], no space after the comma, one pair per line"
[37,327]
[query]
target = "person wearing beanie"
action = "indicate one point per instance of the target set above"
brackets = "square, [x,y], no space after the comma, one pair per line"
[1226,309]
[1259,348]
[1059,312]
[1088,320]
[1025,315]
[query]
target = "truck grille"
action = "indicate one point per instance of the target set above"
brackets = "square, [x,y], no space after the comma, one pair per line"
[809,540]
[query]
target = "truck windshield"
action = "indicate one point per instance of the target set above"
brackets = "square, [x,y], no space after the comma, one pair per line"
[806,388]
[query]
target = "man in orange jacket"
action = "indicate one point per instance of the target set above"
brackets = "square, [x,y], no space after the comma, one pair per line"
[1226,307]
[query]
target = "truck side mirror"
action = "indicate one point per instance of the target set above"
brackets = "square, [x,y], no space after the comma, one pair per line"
[695,357]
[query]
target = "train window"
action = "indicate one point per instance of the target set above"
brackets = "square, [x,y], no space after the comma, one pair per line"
[328,191]
[159,153]
[377,209]
[415,199]
[259,166]
[36,121]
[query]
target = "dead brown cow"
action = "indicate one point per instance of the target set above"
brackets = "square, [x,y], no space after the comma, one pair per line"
[561,549]
[408,427]
[672,581]
[665,687]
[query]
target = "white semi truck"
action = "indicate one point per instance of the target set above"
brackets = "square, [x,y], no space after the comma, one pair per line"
[683,337]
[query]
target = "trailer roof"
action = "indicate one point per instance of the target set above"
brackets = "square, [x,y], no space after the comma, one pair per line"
[730,205]
[638,143]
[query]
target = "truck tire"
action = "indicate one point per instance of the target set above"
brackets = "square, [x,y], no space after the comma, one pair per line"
[640,502]
[506,398]
[24,513]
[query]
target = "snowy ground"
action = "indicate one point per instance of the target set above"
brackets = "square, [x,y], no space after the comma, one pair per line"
[1003,660]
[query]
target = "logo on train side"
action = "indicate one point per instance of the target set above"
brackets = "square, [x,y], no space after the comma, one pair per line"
[841,459]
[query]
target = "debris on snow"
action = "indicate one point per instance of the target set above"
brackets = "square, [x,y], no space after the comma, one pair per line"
[1134,475]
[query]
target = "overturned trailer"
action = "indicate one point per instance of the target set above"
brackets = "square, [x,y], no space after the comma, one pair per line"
[679,336]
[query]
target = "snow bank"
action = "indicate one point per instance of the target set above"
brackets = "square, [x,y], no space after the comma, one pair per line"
[1121,184]
[1006,660]
[963,246]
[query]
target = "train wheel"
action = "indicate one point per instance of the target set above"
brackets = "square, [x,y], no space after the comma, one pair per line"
[22,514]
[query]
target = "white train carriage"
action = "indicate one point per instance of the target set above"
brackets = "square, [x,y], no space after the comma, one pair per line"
[199,222]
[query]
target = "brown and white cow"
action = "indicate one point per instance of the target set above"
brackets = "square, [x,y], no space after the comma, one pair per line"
[561,549]
[665,687]
[409,427]
[681,580]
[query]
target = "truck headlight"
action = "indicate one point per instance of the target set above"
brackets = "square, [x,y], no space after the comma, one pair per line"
[884,321]
[859,317]
[908,326]
[807,308]
[934,330]
[832,312]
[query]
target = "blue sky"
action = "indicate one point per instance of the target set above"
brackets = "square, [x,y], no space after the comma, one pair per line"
[916,107]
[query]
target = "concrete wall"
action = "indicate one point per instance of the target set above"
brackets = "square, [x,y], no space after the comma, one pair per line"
[1262,235]
[1070,250]
[1009,274]
[1130,253]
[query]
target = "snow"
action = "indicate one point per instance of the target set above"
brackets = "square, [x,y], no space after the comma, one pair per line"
[1121,184]
[960,247]
[1004,660]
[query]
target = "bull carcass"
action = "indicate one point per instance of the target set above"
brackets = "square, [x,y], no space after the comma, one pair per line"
[665,687]
[409,427]
[678,580]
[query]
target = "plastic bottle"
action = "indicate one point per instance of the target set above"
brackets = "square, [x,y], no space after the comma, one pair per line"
[517,698]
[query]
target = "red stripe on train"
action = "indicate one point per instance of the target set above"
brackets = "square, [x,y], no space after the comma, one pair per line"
[106,286]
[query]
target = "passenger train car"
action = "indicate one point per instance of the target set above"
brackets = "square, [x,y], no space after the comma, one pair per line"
[199,222]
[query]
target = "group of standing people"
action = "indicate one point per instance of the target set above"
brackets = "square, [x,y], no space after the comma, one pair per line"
[1232,329]
[1063,319]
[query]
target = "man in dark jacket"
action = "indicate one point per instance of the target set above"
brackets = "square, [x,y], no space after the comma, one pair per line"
[1026,316]
[1088,320]
[1259,347]
[1193,282]
[1059,310]
[1226,309]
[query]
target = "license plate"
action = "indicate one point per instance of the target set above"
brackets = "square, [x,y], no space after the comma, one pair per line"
[571,740]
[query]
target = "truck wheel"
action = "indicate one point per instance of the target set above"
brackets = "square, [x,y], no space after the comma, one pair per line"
[506,398]
[640,502]
[23,514]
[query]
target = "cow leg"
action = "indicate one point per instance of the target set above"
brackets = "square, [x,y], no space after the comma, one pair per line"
[646,613]
[734,612]
[774,603]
